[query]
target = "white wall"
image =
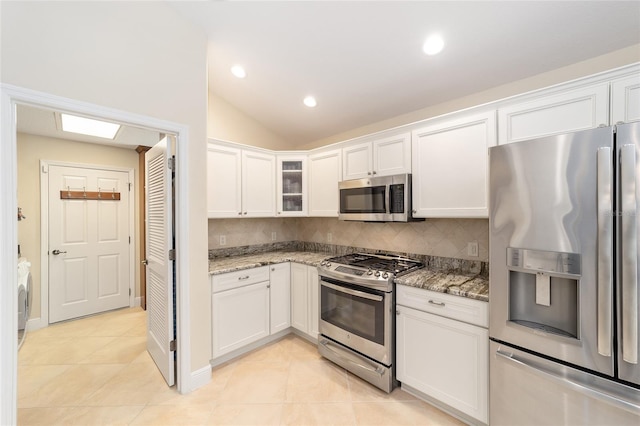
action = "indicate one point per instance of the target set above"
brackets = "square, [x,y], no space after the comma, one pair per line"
[226,122]
[139,57]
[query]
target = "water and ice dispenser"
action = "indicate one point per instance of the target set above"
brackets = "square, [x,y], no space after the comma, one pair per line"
[544,291]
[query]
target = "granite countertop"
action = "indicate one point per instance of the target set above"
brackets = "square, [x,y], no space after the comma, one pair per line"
[223,265]
[473,286]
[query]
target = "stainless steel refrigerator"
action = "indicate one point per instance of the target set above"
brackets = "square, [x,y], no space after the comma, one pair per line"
[564,266]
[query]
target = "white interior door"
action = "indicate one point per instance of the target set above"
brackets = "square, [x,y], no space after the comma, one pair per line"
[89,242]
[160,269]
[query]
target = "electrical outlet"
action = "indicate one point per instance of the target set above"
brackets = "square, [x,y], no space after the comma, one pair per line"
[329,237]
[472,249]
[223,240]
[273,236]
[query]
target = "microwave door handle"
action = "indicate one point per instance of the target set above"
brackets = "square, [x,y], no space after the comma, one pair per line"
[629,254]
[605,251]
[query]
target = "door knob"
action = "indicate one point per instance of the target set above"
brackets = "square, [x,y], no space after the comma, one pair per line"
[145,262]
[57,252]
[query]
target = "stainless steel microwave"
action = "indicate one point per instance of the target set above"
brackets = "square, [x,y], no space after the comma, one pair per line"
[376,199]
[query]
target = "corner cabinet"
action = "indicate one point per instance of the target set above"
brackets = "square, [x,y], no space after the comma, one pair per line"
[443,349]
[450,161]
[381,157]
[240,182]
[280,297]
[305,290]
[292,185]
[325,172]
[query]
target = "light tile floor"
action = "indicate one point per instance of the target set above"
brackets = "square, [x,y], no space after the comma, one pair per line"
[96,371]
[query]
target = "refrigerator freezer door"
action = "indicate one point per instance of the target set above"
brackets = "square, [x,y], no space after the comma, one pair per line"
[529,390]
[628,143]
[548,201]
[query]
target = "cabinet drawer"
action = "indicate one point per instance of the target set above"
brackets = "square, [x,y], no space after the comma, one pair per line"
[239,278]
[455,307]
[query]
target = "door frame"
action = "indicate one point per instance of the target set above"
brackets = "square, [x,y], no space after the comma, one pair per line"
[44,231]
[10,97]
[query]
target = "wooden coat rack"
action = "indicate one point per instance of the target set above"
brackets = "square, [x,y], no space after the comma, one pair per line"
[90,195]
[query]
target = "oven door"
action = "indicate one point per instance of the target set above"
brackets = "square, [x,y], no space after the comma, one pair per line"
[357,317]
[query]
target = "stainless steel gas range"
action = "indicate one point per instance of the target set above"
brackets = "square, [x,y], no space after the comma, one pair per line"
[357,314]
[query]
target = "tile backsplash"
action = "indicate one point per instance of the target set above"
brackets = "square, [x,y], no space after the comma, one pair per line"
[434,237]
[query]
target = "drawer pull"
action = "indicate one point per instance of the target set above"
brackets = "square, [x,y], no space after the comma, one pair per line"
[436,303]
[246,277]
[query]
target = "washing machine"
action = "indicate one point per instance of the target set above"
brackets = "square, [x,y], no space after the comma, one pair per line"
[24,298]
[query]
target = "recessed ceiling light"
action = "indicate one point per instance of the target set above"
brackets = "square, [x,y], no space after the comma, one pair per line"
[89,126]
[433,45]
[238,71]
[310,101]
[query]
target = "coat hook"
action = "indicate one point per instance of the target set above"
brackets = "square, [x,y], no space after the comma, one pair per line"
[113,194]
[68,192]
[84,192]
[99,195]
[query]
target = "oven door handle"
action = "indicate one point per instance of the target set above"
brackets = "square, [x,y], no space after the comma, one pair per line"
[352,292]
[373,369]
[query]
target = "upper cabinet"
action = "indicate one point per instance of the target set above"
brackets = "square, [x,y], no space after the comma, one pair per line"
[564,112]
[292,185]
[625,99]
[450,166]
[381,157]
[240,182]
[324,175]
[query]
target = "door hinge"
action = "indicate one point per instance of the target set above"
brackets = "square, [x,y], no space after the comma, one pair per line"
[129,186]
[173,345]
[129,240]
[129,292]
[172,163]
[172,254]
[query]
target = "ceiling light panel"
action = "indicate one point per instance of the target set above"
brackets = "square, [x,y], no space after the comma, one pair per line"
[310,101]
[238,71]
[88,126]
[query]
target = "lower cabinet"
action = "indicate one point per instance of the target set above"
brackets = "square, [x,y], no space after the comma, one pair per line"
[280,297]
[443,358]
[304,299]
[240,316]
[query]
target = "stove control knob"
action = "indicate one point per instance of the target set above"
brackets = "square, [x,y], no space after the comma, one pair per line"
[323,263]
[328,264]
[369,272]
[385,275]
[377,273]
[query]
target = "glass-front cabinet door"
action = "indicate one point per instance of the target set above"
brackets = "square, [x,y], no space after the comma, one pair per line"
[292,185]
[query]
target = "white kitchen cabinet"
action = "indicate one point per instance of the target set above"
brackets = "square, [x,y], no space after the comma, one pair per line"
[240,182]
[224,177]
[314,301]
[443,357]
[292,185]
[280,297]
[625,99]
[451,166]
[551,114]
[304,299]
[239,316]
[325,172]
[381,157]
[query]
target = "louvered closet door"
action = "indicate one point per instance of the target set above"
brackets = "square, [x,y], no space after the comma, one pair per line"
[159,240]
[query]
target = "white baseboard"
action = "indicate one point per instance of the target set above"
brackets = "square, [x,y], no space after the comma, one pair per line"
[36,324]
[199,378]
[137,301]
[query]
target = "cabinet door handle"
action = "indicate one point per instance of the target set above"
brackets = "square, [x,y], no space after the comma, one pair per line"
[436,303]
[374,172]
[246,277]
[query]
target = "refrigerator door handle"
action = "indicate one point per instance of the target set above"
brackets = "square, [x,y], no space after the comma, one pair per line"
[605,251]
[523,365]
[629,253]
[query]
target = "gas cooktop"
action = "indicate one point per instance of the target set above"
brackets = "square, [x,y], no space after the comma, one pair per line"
[371,270]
